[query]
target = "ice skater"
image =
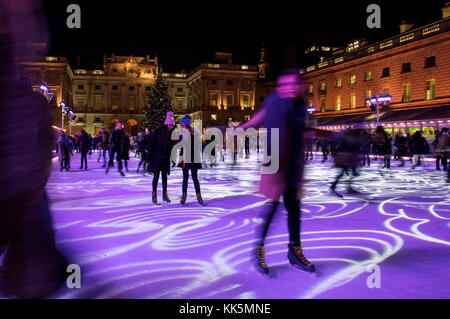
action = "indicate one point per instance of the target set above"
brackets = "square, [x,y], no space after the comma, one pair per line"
[160,149]
[116,143]
[285,110]
[64,150]
[191,165]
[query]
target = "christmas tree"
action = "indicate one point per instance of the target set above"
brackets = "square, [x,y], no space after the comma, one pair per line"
[160,103]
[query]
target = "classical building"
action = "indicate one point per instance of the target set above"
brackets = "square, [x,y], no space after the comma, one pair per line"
[412,67]
[214,92]
[119,92]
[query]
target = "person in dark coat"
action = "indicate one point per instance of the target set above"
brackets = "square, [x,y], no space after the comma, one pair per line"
[383,145]
[286,111]
[401,145]
[64,150]
[419,146]
[116,142]
[159,155]
[104,145]
[144,146]
[126,149]
[191,165]
[84,144]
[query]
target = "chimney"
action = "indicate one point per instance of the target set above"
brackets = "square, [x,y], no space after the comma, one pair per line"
[405,26]
[446,10]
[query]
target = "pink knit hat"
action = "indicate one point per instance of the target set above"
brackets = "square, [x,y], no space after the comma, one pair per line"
[169,119]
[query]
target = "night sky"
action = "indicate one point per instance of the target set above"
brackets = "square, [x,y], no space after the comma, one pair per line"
[185,34]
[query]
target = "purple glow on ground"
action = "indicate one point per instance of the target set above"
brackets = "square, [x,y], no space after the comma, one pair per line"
[128,247]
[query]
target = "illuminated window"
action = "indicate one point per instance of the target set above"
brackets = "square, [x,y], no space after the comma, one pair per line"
[322,105]
[114,107]
[353,79]
[323,86]
[247,117]
[406,97]
[339,83]
[310,89]
[386,91]
[352,100]
[213,100]
[368,94]
[430,90]
[214,117]
[368,76]
[246,101]
[338,103]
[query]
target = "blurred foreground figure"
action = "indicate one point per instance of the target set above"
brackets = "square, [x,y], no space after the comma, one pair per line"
[31,265]
[284,109]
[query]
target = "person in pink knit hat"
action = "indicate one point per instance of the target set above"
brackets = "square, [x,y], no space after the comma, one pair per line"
[159,156]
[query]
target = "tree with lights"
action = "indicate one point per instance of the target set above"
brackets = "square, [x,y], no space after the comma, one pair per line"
[160,103]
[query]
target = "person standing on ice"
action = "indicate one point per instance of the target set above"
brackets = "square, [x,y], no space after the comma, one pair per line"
[159,156]
[284,110]
[116,144]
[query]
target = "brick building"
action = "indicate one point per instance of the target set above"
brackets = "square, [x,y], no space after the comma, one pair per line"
[413,67]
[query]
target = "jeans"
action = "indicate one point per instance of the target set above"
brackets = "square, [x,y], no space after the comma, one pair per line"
[194,174]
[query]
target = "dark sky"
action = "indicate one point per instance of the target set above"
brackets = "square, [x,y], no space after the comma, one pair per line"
[185,34]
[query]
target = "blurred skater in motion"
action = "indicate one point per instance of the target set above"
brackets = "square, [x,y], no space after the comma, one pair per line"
[401,147]
[347,158]
[383,146]
[419,147]
[32,267]
[285,110]
[104,145]
[191,165]
[159,156]
[84,144]
[366,144]
[442,149]
[64,150]
[116,143]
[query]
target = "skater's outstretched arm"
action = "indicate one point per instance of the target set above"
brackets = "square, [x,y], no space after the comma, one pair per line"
[257,120]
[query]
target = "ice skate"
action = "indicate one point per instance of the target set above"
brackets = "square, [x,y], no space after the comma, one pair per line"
[298,260]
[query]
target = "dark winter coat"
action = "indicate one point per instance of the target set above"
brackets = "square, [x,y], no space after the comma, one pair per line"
[105,141]
[64,146]
[419,144]
[84,143]
[183,162]
[116,140]
[160,146]
[402,146]
[126,147]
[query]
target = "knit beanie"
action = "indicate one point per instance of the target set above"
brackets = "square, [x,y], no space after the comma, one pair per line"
[186,120]
[169,119]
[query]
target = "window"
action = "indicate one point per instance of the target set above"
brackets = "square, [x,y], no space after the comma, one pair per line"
[310,89]
[229,100]
[339,83]
[368,76]
[114,107]
[80,86]
[430,90]
[385,73]
[80,102]
[386,91]
[213,100]
[213,82]
[246,102]
[131,70]
[430,62]
[148,71]
[368,95]
[114,70]
[114,88]
[406,67]
[353,79]
[322,105]
[352,100]
[148,88]
[97,120]
[97,102]
[406,97]
[97,87]
[131,87]
[81,119]
[179,89]
[338,103]
[322,86]
[247,117]
[214,117]
[229,82]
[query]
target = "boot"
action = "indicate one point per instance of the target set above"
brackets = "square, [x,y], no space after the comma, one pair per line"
[166,197]
[260,264]
[61,168]
[107,169]
[297,259]
[121,173]
[183,199]
[154,198]
[199,199]
[332,191]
